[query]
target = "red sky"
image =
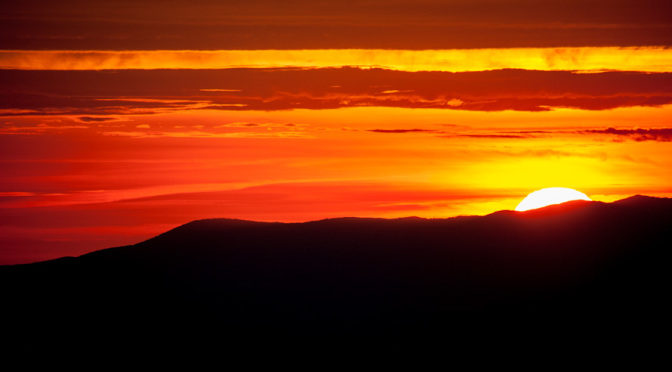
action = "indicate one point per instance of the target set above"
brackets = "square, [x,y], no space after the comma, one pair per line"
[120,120]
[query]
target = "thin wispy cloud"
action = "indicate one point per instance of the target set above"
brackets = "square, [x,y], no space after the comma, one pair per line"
[635,134]
[83,93]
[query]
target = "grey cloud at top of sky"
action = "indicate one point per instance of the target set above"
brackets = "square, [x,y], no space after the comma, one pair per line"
[266,24]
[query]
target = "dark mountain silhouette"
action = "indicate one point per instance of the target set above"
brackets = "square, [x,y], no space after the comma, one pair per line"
[578,265]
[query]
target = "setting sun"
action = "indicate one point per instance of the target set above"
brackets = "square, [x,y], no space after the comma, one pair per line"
[549,196]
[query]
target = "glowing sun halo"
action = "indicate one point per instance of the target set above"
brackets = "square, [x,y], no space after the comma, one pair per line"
[549,196]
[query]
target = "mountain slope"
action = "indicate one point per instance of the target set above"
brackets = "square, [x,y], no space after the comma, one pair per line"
[576,263]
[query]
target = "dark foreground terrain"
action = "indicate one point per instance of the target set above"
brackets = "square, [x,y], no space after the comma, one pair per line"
[579,266]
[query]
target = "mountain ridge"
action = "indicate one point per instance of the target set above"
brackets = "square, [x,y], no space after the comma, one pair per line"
[239,223]
[579,262]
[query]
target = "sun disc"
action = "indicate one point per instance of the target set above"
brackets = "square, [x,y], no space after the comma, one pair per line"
[550,196]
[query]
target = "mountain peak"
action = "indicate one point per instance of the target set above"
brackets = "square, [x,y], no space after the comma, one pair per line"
[639,199]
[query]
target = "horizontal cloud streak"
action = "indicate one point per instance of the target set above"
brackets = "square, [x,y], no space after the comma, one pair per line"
[650,59]
[98,94]
[636,134]
[401,131]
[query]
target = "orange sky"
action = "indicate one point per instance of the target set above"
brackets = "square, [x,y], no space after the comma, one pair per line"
[120,120]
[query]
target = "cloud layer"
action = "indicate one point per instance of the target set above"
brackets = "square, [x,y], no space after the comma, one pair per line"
[95,93]
[303,24]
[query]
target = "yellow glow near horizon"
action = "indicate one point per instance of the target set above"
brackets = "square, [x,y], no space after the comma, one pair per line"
[550,196]
[648,59]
